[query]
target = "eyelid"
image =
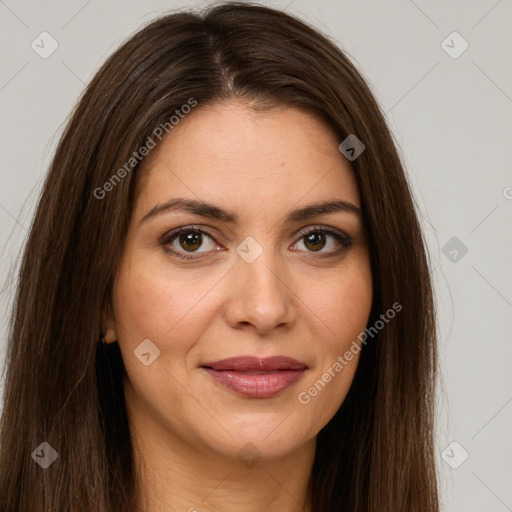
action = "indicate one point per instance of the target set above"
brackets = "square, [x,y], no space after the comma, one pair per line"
[325,229]
[185,229]
[170,235]
[342,238]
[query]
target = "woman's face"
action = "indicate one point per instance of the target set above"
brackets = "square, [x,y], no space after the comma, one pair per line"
[245,279]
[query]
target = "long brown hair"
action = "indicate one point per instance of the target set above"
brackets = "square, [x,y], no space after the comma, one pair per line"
[63,388]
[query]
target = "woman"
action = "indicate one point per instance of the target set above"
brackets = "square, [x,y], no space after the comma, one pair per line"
[224,301]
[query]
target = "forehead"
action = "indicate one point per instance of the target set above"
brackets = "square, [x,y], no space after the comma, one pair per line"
[230,154]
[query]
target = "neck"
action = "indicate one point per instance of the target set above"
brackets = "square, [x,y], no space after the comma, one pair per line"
[174,475]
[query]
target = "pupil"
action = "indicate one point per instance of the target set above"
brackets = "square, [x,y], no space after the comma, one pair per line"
[191,241]
[315,239]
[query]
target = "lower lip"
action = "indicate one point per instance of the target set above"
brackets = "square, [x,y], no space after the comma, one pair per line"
[256,385]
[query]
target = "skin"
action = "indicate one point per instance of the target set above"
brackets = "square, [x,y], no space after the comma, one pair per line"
[294,300]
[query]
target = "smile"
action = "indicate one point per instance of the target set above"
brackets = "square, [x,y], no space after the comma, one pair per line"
[256,378]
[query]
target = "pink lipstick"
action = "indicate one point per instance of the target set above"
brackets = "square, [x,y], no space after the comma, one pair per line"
[254,377]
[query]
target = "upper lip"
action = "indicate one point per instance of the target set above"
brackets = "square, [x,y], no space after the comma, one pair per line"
[251,363]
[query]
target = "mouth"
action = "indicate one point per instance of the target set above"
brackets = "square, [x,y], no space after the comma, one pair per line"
[255,377]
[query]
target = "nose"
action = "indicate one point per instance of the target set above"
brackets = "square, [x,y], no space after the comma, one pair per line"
[260,295]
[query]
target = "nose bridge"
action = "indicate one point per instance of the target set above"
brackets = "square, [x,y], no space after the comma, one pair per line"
[260,295]
[264,275]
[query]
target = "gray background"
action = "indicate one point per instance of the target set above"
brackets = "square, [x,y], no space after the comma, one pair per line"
[451,118]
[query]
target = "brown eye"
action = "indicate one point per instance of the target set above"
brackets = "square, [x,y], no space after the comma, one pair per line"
[315,241]
[191,241]
[186,242]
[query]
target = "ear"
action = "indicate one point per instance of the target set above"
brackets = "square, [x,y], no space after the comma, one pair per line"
[109,328]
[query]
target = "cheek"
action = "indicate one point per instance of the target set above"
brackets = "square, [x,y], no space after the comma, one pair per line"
[341,313]
[341,304]
[150,301]
[171,310]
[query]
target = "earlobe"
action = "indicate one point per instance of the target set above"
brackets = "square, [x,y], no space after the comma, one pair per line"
[110,336]
[109,326]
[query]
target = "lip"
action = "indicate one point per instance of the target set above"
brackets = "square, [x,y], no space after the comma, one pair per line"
[256,377]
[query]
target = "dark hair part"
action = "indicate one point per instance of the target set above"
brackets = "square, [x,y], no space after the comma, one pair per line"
[377,453]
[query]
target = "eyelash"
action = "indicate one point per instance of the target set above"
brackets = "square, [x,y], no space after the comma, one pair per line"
[344,240]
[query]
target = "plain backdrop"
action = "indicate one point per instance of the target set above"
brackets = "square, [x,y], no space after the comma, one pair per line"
[448,100]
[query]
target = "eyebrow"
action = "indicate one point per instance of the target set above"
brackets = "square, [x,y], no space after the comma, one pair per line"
[211,211]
